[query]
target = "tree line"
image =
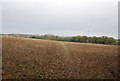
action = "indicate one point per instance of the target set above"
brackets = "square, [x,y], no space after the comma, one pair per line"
[82,39]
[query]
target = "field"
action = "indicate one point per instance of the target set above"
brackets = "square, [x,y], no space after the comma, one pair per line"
[44,59]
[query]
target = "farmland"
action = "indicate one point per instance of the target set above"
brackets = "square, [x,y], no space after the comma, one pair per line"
[46,59]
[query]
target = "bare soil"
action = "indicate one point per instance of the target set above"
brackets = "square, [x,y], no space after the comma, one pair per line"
[25,58]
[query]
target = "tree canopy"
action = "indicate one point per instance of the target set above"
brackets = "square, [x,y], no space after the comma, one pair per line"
[81,39]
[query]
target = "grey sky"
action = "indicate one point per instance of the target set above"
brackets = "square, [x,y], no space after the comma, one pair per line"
[61,17]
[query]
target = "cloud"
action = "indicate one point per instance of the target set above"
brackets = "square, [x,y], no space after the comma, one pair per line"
[61,17]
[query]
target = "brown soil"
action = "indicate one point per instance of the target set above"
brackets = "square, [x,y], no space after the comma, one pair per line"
[43,59]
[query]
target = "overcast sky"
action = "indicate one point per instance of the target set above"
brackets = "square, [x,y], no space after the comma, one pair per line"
[60,17]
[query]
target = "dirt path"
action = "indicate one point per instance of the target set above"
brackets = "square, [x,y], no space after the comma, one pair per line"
[67,52]
[70,68]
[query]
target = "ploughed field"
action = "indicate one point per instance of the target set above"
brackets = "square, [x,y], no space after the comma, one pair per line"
[25,58]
